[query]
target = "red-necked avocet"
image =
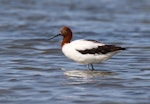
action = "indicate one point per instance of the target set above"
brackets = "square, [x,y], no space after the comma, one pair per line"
[84,51]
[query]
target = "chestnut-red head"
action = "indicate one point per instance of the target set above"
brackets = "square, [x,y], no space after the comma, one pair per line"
[66,33]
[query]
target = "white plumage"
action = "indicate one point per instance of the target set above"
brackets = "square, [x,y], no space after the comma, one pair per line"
[85,51]
[70,51]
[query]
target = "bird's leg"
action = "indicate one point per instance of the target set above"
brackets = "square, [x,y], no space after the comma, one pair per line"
[91,67]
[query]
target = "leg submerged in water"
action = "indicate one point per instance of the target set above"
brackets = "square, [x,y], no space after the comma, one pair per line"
[92,68]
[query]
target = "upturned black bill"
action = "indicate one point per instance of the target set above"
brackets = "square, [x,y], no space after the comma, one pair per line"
[55,36]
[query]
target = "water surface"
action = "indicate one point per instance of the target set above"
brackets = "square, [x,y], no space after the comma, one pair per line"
[32,68]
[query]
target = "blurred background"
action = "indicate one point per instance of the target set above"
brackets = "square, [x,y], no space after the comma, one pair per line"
[31,64]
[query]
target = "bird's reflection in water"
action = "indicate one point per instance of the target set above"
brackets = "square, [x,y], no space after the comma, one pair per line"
[88,73]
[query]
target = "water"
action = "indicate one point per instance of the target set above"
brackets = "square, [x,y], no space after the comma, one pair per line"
[33,68]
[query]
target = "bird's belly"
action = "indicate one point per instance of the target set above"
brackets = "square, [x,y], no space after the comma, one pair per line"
[88,58]
[91,59]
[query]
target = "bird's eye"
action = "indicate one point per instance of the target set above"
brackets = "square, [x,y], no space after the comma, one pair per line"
[65,31]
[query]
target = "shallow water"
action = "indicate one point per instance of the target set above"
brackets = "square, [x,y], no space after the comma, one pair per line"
[33,68]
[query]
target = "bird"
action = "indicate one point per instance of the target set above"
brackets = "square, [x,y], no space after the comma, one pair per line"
[85,51]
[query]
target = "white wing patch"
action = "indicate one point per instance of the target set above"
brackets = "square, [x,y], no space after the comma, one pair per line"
[85,44]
